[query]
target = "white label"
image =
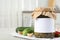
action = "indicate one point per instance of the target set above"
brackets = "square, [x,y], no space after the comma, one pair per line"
[44,25]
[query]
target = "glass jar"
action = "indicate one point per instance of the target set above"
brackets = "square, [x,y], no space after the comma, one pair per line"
[44,27]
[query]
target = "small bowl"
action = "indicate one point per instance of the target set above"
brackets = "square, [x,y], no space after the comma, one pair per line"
[30,34]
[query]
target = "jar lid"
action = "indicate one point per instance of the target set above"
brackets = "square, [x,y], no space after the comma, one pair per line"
[47,12]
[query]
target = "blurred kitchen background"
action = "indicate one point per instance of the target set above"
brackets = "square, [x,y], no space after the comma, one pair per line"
[15,13]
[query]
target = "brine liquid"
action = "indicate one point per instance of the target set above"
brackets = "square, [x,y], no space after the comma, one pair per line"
[44,35]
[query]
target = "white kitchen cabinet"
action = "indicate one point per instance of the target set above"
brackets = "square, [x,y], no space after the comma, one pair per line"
[42,3]
[28,5]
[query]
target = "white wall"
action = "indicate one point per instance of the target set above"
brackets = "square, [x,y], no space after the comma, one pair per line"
[8,12]
[11,17]
[9,9]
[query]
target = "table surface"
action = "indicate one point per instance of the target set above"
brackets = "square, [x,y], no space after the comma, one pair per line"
[31,38]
